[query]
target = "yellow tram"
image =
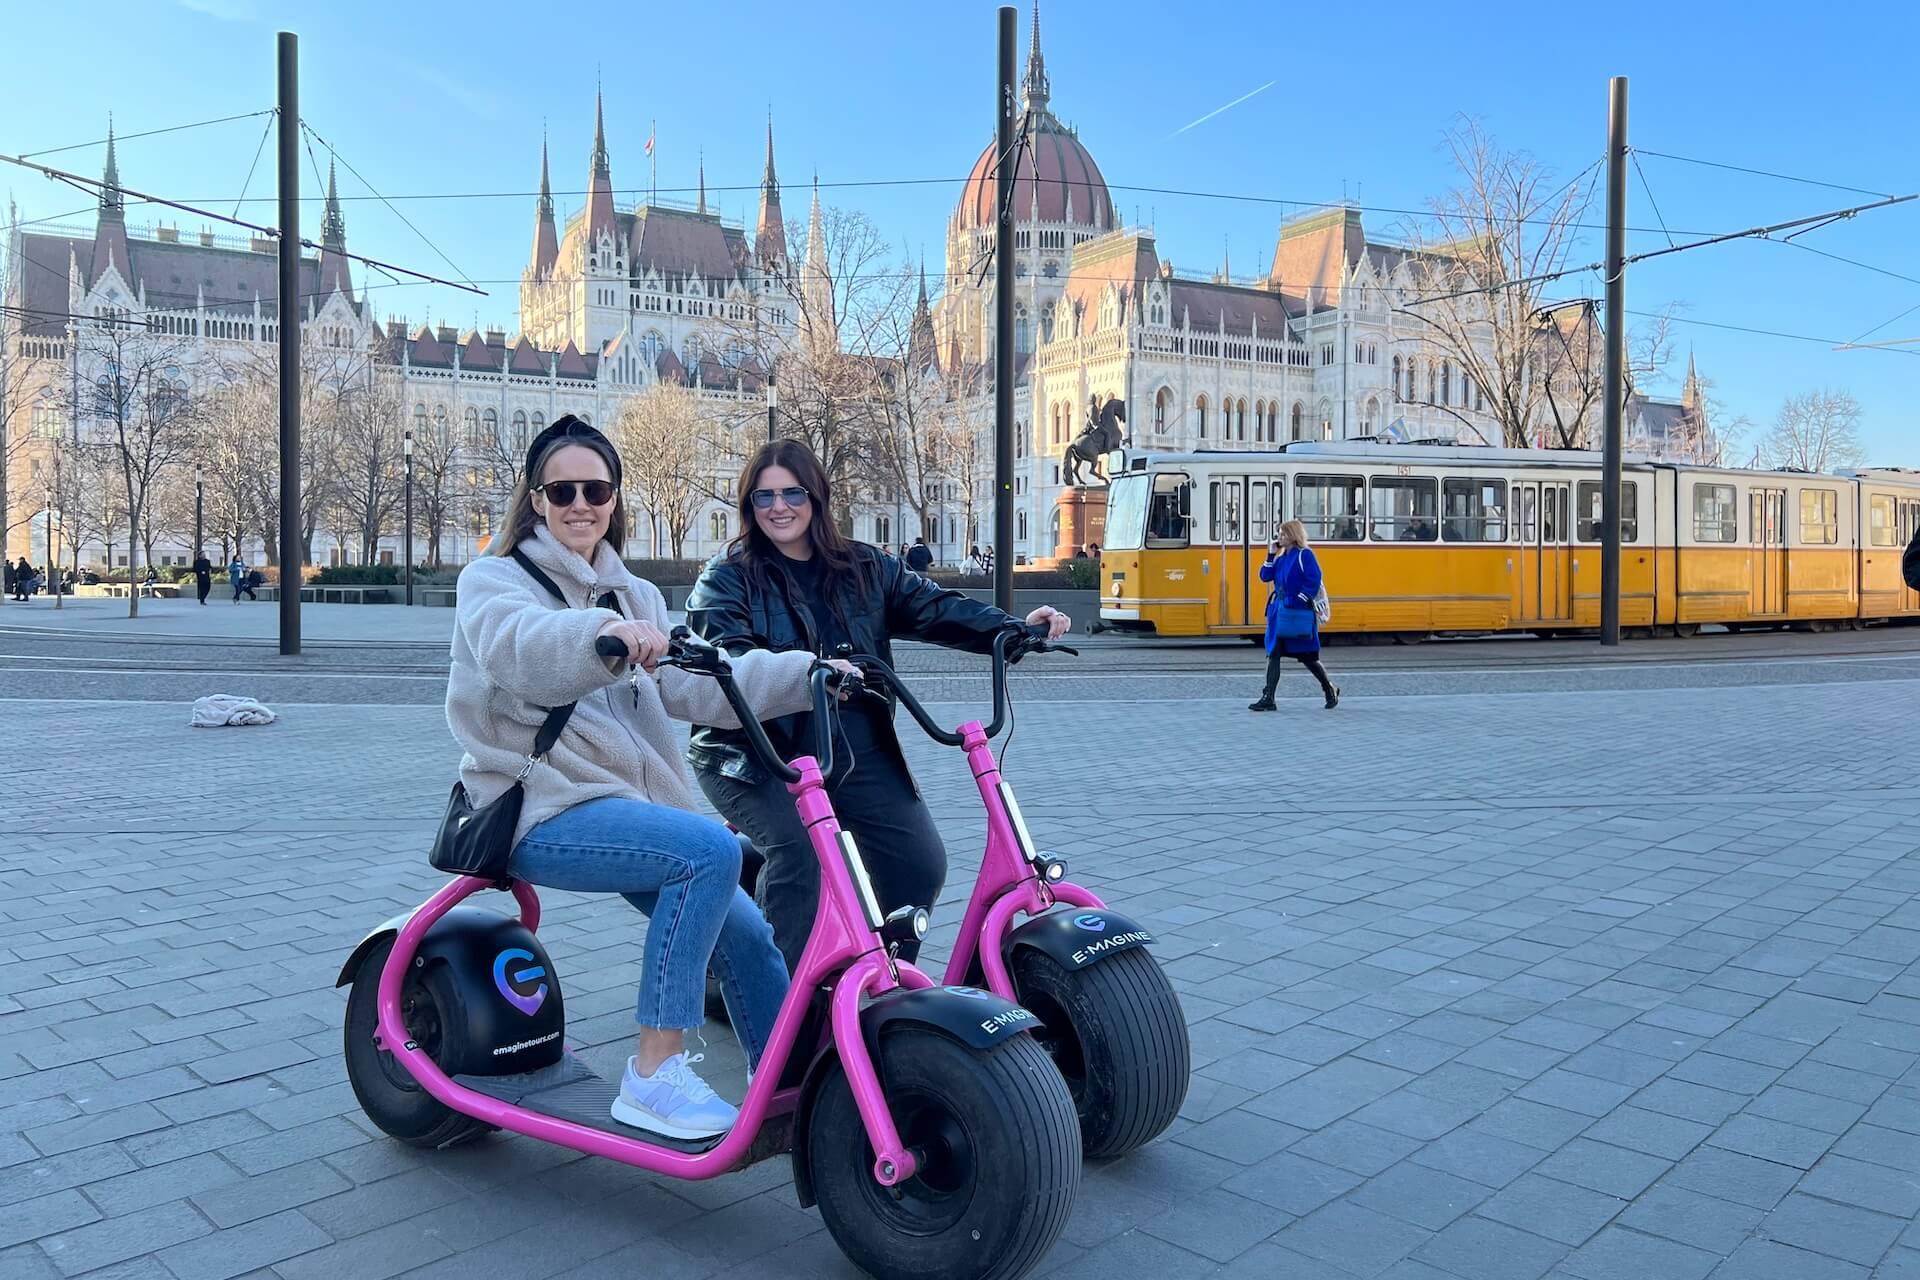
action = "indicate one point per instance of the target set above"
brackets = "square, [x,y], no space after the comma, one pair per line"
[1419,539]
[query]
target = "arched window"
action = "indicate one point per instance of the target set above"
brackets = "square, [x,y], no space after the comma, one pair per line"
[520,436]
[1370,419]
[1413,379]
[1294,432]
[1432,378]
[1200,415]
[1020,525]
[1046,317]
[420,422]
[1161,399]
[1326,420]
[1259,420]
[490,427]
[1446,382]
[1396,377]
[1022,330]
[717,525]
[1242,415]
[440,424]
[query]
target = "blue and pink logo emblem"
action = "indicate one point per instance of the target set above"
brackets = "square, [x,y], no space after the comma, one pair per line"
[510,980]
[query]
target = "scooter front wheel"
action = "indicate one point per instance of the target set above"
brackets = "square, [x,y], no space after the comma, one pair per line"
[391,1097]
[1116,1032]
[999,1157]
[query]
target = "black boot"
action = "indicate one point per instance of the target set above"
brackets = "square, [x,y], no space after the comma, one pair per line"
[1264,704]
[1333,696]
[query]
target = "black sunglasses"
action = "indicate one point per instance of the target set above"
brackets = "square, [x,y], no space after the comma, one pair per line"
[560,492]
[795,497]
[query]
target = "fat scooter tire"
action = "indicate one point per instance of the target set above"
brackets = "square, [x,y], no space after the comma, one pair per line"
[1001,1168]
[1116,1032]
[392,1099]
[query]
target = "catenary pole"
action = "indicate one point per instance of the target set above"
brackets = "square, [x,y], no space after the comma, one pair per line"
[292,555]
[1615,361]
[1003,172]
[406,501]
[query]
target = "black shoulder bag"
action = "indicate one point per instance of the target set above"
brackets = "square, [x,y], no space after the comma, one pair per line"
[478,842]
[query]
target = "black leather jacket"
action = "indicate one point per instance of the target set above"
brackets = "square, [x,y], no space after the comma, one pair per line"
[736,610]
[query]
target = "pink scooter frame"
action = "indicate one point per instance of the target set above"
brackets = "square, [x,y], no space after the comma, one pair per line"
[1010,882]
[843,942]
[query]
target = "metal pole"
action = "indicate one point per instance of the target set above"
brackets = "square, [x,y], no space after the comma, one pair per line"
[1004,174]
[406,550]
[53,549]
[199,514]
[292,557]
[773,403]
[1616,361]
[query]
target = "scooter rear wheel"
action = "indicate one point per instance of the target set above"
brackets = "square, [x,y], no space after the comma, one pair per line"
[999,1152]
[1115,1031]
[391,1098]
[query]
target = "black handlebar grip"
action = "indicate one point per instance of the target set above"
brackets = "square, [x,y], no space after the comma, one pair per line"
[610,647]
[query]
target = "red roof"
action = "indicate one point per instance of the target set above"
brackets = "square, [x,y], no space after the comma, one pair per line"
[526,359]
[1062,166]
[572,362]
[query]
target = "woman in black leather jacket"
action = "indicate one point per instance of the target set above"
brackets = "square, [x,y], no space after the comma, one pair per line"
[792,580]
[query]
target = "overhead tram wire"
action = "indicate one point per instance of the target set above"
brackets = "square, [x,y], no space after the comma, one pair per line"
[334,152]
[1768,333]
[1761,173]
[94,186]
[1648,188]
[150,133]
[264,135]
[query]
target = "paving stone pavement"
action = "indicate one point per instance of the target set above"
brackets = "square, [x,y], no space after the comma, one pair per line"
[1578,984]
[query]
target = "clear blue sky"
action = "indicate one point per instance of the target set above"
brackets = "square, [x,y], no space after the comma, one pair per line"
[445,98]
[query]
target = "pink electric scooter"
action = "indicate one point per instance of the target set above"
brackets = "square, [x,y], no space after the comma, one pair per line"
[924,1121]
[1109,1018]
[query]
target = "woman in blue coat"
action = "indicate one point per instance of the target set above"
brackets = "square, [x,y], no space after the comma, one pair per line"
[1295,575]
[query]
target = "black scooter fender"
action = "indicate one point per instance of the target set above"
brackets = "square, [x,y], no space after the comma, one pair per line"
[351,968]
[976,1018]
[1076,937]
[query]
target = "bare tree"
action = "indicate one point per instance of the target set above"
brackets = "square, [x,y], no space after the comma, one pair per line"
[367,463]
[1473,283]
[134,387]
[237,453]
[668,444]
[435,485]
[1815,431]
[919,438]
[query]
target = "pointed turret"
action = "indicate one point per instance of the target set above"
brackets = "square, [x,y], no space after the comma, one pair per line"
[110,229]
[922,347]
[546,239]
[1690,396]
[770,235]
[600,181]
[703,181]
[334,273]
[1034,88]
[816,285]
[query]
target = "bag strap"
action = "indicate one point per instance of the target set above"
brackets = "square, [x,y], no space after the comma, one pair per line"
[557,717]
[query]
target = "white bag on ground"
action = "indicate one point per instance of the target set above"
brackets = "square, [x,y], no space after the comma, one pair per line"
[218,710]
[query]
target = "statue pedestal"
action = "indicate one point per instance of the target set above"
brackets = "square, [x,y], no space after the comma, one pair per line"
[1083,519]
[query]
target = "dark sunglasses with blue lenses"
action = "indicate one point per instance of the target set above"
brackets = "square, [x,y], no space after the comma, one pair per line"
[561,492]
[794,496]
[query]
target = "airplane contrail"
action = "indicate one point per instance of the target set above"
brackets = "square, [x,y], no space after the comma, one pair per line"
[1217,110]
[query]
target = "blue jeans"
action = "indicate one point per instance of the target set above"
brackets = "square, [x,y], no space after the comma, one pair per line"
[683,871]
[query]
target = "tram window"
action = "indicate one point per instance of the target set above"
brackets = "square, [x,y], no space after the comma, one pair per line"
[1224,511]
[1329,507]
[1167,515]
[1715,517]
[1257,511]
[1402,509]
[1587,505]
[1880,521]
[1475,510]
[1819,517]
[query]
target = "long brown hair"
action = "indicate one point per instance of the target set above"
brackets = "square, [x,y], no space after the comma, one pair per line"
[566,432]
[840,562]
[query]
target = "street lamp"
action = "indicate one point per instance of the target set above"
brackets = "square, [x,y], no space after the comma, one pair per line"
[53,551]
[406,551]
[773,402]
[199,515]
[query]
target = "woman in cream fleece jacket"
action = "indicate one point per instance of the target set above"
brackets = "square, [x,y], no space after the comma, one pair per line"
[609,810]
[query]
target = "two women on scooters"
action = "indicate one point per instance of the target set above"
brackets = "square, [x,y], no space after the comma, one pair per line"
[608,810]
[792,582]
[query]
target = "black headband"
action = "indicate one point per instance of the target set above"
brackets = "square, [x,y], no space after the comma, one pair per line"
[568,427]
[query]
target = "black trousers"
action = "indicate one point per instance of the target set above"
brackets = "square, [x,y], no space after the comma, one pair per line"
[201,586]
[896,836]
[1311,661]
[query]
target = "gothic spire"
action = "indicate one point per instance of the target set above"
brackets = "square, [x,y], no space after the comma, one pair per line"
[600,218]
[816,285]
[546,182]
[770,234]
[601,168]
[110,226]
[333,227]
[546,238]
[112,203]
[1035,88]
[703,180]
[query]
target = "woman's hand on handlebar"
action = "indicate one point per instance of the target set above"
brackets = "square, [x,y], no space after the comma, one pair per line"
[849,682]
[1057,623]
[645,643]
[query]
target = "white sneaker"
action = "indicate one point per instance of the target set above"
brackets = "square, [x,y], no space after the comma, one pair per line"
[673,1102]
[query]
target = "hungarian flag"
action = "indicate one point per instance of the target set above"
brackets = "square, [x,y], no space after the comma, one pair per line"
[649,139]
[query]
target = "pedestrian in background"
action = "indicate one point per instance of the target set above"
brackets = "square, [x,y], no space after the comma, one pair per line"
[202,576]
[1910,562]
[22,580]
[1293,620]
[237,575]
[919,556]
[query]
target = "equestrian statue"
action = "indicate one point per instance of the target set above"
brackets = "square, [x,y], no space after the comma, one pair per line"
[1101,436]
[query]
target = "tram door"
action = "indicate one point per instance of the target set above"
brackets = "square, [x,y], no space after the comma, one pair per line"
[1908,524]
[1545,586]
[1233,589]
[1766,532]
